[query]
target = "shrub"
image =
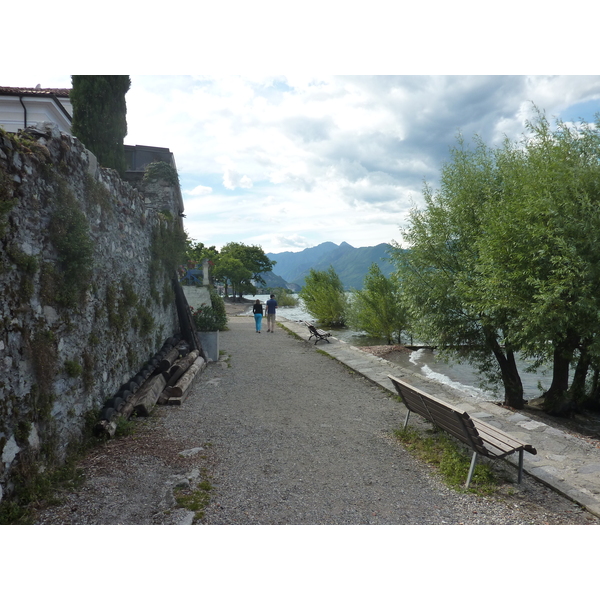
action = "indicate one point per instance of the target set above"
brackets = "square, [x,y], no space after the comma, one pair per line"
[207,318]
[73,368]
[284,297]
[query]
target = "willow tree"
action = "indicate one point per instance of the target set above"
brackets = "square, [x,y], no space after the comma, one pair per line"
[541,254]
[99,116]
[505,257]
[324,297]
[378,309]
[440,274]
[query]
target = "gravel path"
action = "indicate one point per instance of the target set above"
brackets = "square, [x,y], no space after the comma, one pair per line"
[285,435]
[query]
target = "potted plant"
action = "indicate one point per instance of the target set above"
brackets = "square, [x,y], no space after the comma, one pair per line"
[209,320]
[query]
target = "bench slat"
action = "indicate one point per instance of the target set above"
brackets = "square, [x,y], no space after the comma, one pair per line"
[456,423]
[500,439]
[444,415]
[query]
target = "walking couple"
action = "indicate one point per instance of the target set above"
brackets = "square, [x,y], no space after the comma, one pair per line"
[271,307]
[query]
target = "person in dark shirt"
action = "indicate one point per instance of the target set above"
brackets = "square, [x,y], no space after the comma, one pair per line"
[271,307]
[257,309]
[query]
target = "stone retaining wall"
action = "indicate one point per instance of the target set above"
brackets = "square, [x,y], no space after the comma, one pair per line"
[85,292]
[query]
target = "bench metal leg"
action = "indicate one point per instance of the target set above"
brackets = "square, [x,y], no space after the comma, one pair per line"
[520,465]
[406,420]
[471,469]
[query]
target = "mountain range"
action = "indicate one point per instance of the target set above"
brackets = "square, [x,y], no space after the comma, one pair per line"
[351,264]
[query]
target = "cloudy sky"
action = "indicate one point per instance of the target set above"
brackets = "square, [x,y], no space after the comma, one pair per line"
[290,161]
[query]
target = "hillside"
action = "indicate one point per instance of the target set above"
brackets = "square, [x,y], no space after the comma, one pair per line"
[350,263]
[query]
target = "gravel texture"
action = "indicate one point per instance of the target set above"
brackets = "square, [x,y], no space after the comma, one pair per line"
[284,435]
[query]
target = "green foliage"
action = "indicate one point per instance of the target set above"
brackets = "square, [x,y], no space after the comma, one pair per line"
[96,194]
[324,297]
[238,264]
[168,296]
[69,232]
[161,170]
[88,369]
[22,432]
[505,257]
[196,252]
[130,298]
[43,354]
[211,318]
[37,488]
[167,250]
[284,297]
[377,309]
[146,320]
[7,200]
[99,116]
[195,500]
[24,262]
[27,266]
[232,271]
[73,368]
[124,427]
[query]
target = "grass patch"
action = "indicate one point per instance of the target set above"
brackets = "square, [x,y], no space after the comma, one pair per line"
[125,427]
[196,499]
[452,461]
[291,333]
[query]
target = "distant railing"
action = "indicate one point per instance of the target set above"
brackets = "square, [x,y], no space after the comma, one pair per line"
[192,277]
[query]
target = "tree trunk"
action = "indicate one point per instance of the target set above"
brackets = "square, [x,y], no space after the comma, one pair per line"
[556,399]
[181,366]
[145,401]
[594,401]
[145,398]
[577,389]
[184,383]
[167,362]
[513,386]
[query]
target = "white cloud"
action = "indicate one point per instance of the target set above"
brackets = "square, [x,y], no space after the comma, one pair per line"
[300,159]
[339,158]
[233,180]
[199,190]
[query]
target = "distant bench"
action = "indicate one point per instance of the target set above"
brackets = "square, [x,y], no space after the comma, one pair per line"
[482,438]
[318,334]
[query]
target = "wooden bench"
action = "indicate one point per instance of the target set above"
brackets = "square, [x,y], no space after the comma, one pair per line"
[482,438]
[318,334]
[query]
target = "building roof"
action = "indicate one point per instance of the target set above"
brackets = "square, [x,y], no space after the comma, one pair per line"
[37,91]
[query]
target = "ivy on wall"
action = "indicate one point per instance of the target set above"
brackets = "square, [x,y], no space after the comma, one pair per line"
[69,232]
[161,170]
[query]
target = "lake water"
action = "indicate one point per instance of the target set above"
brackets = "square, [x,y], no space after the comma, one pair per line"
[459,376]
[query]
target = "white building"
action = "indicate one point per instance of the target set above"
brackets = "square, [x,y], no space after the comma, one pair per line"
[25,107]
